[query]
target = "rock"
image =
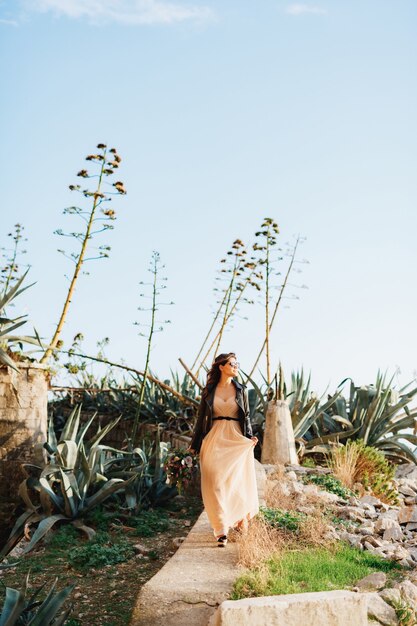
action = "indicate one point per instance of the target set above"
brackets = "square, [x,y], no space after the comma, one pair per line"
[393,531]
[291,475]
[408,470]
[177,541]
[371,500]
[353,540]
[139,548]
[411,526]
[391,596]
[352,513]
[400,553]
[374,541]
[389,514]
[408,592]
[367,529]
[410,500]
[381,611]
[373,582]
[407,514]
[406,490]
[385,523]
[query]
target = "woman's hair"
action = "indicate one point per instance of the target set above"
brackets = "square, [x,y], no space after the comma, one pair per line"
[214,373]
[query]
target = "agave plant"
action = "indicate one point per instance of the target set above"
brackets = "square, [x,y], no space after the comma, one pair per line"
[143,470]
[307,409]
[8,325]
[19,608]
[73,482]
[376,414]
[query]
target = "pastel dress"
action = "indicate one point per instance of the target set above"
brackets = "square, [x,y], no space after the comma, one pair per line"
[227,466]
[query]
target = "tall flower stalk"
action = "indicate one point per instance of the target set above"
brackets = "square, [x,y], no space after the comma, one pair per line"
[292,254]
[156,289]
[96,219]
[10,270]
[242,274]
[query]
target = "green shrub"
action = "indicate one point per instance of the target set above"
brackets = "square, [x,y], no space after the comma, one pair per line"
[285,520]
[357,463]
[101,551]
[329,483]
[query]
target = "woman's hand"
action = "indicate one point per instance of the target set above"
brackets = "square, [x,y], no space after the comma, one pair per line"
[191,450]
[255,440]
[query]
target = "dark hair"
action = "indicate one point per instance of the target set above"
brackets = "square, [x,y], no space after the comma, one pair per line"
[214,373]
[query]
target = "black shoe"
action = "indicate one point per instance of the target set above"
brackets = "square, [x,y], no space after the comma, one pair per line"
[222,541]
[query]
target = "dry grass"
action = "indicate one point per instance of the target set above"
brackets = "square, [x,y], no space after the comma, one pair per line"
[258,543]
[261,542]
[343,462]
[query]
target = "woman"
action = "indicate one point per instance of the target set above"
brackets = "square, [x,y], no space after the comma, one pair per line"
[223,437]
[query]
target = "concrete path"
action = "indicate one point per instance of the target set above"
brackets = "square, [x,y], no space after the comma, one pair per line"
[191,585]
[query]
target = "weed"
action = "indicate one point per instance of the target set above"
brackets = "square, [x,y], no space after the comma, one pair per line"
[406,615]
[147,523]
[100,551]
[312,569]
[284,520]
[329,483]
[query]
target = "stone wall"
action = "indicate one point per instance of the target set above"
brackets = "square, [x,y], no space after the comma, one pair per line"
[23,429]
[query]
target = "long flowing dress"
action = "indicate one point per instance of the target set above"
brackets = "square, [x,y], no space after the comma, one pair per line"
[227,466]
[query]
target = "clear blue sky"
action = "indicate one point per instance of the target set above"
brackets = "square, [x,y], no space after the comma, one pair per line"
[223,113]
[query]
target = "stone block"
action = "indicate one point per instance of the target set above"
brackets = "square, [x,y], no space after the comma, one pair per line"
[327,608]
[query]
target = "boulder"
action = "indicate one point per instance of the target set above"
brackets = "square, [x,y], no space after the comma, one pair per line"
[393,532]
[371,500]
[373,582]
[391,596]
[408,592]
[379,610]
[407,514]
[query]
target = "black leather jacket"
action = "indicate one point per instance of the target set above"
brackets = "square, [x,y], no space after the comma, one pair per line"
[205,415]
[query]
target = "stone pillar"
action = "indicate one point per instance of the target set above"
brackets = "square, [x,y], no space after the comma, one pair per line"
[278,442]
[23,428]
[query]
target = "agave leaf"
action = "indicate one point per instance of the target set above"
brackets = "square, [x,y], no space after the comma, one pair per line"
[103,432]
[14,605]
[14,291]
[44,526]
[24,494]
[6,360]
[51,606]
[71,426]
[11,326]
[396,447]
[70,505]
[344,434]
[17,532]
[68,451]
[84,429]
[90,532]
[57,500]
[113,485]
[51,435]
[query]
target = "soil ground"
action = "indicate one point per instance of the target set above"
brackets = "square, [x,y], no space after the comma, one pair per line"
[105,596]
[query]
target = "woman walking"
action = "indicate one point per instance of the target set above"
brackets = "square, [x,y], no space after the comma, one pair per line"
[223,437]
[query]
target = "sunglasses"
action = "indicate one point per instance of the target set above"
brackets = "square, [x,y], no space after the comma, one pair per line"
[233,363]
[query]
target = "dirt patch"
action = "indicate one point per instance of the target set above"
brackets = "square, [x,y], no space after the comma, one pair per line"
[104,595]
